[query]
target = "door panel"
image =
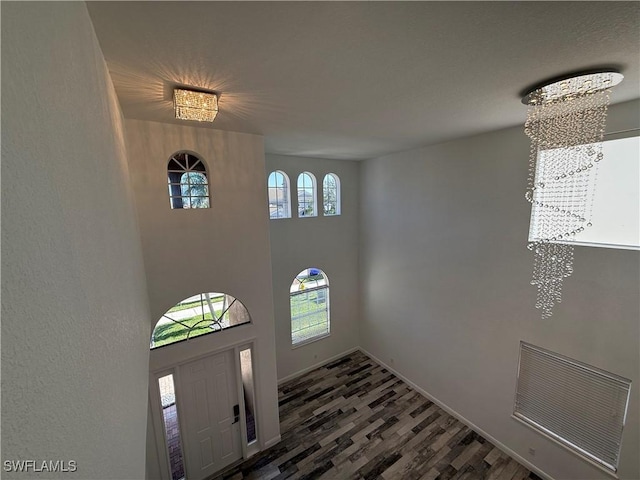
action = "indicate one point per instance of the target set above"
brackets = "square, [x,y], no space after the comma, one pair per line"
[206,450]
[209,393]
[201,402]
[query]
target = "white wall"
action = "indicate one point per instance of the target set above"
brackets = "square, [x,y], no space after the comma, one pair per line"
[328,243]
[224,248]
[74,305]
[446,293]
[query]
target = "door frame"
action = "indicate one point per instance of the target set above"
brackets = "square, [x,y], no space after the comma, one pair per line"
[156,404]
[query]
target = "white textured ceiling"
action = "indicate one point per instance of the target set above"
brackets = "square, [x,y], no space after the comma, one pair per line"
[357,80]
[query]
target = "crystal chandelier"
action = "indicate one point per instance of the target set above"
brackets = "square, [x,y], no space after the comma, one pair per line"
[565,122]
[192,105]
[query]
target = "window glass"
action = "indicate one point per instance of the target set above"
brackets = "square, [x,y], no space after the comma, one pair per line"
[309,300]
[306,195]
[278,191]
[187,180]
[331,194]
[615,218]
[199,315]
[578,405]
[171,426]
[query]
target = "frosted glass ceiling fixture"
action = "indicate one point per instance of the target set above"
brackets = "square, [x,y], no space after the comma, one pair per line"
[195,105]
[565,122]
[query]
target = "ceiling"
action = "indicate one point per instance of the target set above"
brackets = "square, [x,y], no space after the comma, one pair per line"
[356,80]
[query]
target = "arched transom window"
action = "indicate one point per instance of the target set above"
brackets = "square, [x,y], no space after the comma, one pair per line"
[198,315]
[188,185]
[309,299]
[331,194]
[279,196]
[307,195]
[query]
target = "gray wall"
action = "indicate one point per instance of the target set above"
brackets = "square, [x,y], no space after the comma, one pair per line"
[329,243]
[74,303]
[446,294]
[224,248]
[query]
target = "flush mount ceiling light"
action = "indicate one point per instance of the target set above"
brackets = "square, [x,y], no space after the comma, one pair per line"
[565,122]
[193,105]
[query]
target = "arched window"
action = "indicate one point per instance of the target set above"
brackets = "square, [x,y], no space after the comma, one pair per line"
[331,194]
[198,315]
[309,299]
[307,195]
[188,185]
[279,196]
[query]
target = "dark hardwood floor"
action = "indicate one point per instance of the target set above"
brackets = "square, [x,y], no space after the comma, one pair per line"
[352,419]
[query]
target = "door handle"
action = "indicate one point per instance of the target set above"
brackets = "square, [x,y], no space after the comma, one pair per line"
[236,413]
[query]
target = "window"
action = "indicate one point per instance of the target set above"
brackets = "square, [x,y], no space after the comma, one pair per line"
[171,426]
[309,298]
[580,406]
[279,197]
[331,194]
[616,202]
[249,394]
[198,315]
[307,195]
[187,178]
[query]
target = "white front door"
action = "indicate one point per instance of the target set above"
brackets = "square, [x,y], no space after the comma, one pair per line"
[211,430]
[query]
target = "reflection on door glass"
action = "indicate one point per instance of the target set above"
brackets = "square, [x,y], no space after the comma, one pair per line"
[246,367]
[171,426]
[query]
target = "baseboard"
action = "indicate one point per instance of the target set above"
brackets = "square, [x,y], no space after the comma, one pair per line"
[455,414]
[272,442]
[317,365]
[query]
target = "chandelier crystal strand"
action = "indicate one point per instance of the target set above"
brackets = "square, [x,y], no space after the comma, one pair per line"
[565,123]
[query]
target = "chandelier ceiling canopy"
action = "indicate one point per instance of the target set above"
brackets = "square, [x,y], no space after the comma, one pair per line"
[563,86]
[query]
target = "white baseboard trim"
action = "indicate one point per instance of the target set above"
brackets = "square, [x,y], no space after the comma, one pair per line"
[317,365]
[272,442]
[455,414]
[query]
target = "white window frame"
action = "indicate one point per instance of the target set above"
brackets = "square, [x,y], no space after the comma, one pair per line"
[298,289]
[285,203]
[186,169]
[338,200]
[314,194]
[583,239]
[550,398]
[194,319]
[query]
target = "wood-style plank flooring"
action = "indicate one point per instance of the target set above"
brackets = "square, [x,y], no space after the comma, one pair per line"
[353,419]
